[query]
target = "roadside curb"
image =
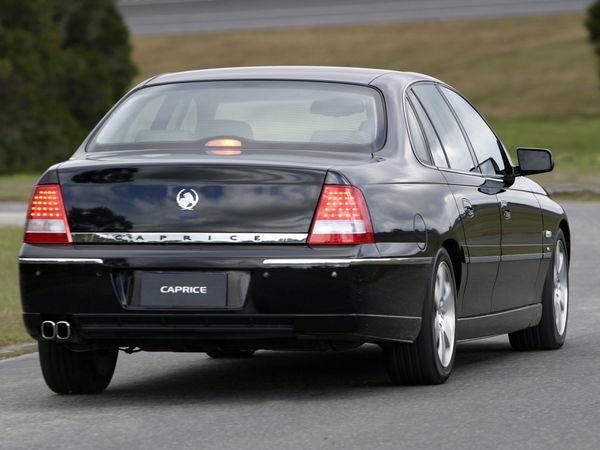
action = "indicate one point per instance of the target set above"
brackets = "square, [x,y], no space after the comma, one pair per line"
[15,358]
[18,349]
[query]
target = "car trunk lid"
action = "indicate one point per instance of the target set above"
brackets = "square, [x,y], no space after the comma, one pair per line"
[174,200]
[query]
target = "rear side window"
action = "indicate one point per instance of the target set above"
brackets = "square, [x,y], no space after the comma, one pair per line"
[483,140]
[261,114]
[453,140]
[435,146]
[416,134]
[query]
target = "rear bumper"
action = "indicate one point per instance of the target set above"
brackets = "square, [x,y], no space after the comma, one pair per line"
[142,329]
[281,293]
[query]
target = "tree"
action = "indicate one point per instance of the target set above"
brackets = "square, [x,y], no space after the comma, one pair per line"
[96,47]
[63,63]
[592,24]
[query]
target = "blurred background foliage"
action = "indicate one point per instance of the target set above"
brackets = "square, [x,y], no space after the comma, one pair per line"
[592,23]
[63,63]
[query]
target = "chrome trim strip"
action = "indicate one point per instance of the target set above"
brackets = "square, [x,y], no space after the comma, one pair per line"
[190,238]
[483,259]
[347,261]
[522,257]
[498,258]
[61,260]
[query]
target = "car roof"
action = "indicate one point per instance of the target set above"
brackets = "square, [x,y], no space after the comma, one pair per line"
[313,73]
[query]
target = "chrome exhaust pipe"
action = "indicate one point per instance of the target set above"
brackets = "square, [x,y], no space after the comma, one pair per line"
[63,330]
[48,329]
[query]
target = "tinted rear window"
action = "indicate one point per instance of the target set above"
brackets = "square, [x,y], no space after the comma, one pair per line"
[260,114]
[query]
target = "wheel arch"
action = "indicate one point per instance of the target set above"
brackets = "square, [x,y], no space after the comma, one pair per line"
[453,249]
[564,227]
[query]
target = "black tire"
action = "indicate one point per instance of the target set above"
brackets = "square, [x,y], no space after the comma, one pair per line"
[69,372]
[419,363]
[230,353]
[546,335]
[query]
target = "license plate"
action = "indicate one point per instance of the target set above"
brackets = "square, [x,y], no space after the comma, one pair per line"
[183,290]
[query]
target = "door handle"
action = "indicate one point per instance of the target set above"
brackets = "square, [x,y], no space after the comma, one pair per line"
[468,208]
[505,209]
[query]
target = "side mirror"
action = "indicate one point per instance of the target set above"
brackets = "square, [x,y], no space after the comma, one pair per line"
[534,160]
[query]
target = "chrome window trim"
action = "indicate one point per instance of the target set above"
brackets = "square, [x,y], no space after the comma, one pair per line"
[437,84]
[462,172]
[507,160]
[405,101]
[189,238]
[407,104]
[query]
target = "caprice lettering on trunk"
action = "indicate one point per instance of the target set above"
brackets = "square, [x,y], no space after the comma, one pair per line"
[184,290]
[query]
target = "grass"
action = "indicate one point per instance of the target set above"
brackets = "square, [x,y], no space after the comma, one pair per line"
[16,188]
[23,349]
[574,142]
[516,67]
[11,323]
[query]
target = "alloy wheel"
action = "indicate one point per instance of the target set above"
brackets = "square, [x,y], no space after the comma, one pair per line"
[444,314]
[561,288]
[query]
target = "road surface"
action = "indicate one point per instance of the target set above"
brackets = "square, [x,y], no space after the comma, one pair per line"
[496,398]
[12,213]
[203,16]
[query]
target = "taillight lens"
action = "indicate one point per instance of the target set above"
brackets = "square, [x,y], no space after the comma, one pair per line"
[46,218]
[342,217]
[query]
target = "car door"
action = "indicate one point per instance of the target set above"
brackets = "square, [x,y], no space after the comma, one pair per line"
[479,207]
[521,217]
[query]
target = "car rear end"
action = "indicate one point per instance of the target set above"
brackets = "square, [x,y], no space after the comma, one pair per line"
[217,215]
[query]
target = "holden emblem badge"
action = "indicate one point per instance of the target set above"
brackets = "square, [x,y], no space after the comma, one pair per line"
[187,199]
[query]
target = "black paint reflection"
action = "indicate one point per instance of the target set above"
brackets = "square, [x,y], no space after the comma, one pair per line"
[114,175]
[97,219]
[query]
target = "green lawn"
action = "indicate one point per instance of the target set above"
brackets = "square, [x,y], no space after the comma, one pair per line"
[516,67]
[574,141]
[16,188]
[11,324]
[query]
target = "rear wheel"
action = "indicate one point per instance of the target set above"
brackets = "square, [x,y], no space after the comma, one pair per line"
[551,332]
[69,372]
[230,353]
[430,358]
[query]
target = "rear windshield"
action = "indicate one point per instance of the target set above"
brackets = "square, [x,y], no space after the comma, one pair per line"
[255,114]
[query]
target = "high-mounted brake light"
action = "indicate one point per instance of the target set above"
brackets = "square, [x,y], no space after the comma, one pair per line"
[224,147]
[46,218]
[342,217]
[224,152]
[224,143]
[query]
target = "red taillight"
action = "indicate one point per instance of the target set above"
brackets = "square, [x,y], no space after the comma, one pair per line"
[342,217]
[46,219]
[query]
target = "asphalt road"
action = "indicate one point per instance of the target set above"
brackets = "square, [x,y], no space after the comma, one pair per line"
[202,16]
[12,213]
[496,398]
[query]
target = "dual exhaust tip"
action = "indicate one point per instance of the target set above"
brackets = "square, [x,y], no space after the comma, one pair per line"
[56,330]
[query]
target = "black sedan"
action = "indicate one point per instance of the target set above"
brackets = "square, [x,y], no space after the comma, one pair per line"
[231,210]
